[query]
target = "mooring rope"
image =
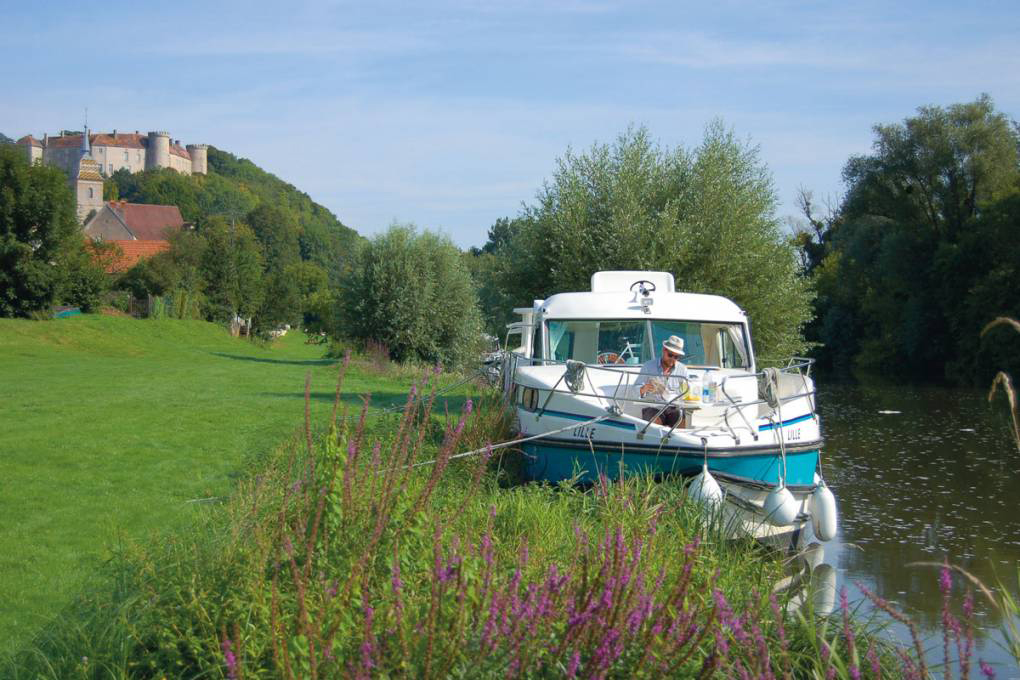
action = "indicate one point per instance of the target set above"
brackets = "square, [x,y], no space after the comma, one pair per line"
[493,447]
[401,407]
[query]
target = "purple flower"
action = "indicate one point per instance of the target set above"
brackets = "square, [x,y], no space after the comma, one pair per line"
[872,655]
[575,661]
[229,659]
[986,669]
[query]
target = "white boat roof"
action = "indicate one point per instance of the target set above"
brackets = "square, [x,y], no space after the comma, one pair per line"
[620,305]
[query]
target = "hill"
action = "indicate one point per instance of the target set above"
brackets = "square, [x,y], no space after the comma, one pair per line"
[234,188]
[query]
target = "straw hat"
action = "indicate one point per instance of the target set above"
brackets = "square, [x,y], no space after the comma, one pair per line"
[674,344]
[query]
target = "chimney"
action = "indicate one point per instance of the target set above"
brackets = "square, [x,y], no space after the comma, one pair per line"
[136,132]
[45,138]
[114,132]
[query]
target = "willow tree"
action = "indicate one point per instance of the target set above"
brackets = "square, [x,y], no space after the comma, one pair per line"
[707,215]
[413,293]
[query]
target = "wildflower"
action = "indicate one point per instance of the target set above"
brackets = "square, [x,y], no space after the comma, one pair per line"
[986,669]
[872,656]
[229,659]
[575,661]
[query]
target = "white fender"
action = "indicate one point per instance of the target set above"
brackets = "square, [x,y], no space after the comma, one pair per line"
[822,507]
[704,489]
[780,506]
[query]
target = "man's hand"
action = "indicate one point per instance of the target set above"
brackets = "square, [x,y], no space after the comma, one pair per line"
[653,386]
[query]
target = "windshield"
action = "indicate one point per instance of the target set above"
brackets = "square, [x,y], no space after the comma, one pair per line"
[633,342]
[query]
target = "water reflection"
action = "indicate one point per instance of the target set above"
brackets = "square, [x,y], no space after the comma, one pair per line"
[920,473]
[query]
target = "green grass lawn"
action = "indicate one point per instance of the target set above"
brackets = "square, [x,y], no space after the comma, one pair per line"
[109,426]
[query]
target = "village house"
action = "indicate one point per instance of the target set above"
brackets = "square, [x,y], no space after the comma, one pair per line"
[139,230]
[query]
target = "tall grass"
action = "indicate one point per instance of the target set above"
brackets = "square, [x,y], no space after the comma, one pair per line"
[367,550]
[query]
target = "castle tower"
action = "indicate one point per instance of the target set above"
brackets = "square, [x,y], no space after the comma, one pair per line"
[199,158]
[32,147]
[87,181]
[158,153]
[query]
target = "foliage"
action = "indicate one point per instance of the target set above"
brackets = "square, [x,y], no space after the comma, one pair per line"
[707,215]
[340,558]
[412,293]
[84,279]
[38,229]
[232,268]
[317,299]
[495,301]
[277,231]
[921,254]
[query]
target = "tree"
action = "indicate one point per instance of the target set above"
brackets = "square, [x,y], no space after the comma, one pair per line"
[920,230]
[412,293]
[707,216]
[37,227]
[84,277]
[316,298]
[232,267]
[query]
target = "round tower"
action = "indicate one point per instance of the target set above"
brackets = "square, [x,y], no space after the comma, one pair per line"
[158,153]
[199,158]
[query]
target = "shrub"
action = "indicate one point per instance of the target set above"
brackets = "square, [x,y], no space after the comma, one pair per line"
[37,229]
[707,216]
[412,293]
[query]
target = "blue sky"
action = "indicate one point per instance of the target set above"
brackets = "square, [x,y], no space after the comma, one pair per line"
[451,114]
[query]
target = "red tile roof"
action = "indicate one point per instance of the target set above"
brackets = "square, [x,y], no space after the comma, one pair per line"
[148,222]
[64,142]
[29,140]
[178,150]
[133,251]
[121,140]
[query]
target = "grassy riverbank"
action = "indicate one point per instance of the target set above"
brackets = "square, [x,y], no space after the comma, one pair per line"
[334,554]
[110,426]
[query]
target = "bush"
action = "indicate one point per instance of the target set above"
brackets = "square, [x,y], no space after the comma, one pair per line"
[413,293]
[707,216]
[84,281]
[38,229]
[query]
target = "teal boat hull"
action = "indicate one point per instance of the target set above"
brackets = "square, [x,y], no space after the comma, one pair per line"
[554,460]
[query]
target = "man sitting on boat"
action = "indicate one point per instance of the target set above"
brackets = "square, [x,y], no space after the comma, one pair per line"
[662,379]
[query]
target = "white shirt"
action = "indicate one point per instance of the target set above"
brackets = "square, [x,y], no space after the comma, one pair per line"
[675,381]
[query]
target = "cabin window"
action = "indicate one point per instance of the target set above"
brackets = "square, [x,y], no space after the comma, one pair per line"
[633,342]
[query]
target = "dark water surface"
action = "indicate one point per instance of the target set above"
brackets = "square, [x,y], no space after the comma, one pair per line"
[938,479]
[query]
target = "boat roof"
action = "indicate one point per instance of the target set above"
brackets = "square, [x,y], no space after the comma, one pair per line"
[627,305]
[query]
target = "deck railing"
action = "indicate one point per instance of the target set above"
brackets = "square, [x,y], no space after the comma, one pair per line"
[580,372]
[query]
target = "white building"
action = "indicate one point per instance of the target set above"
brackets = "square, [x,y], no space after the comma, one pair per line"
[113,151]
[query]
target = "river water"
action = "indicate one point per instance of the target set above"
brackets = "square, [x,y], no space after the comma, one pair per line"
[922,474]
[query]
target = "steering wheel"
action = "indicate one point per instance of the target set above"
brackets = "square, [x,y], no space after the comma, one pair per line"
[607,358]
[644,286]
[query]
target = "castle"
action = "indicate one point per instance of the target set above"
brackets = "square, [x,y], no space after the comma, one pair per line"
[89,158]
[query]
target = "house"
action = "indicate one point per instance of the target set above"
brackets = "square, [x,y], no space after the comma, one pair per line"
[139,230]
